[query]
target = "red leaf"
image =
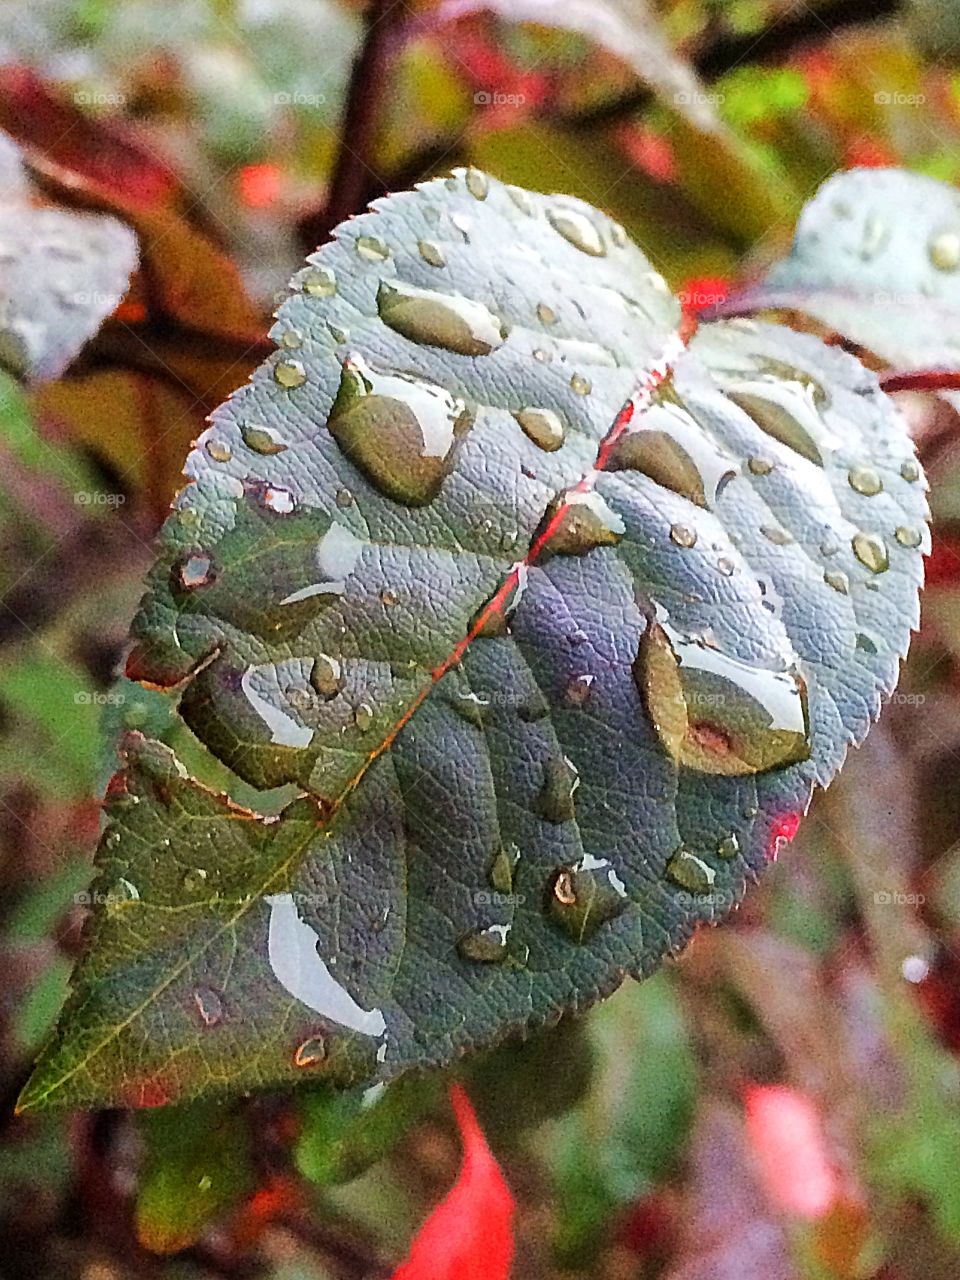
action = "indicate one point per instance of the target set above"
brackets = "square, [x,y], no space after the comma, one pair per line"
[468,1236]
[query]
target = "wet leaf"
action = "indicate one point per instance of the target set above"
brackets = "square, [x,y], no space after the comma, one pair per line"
[543,704]
[61,274]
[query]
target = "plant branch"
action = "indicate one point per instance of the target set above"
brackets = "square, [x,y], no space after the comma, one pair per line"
[920,380]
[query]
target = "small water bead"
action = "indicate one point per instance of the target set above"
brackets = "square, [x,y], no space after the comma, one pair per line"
[488,945]
[338,333]
[560,781]
[618,235]
[837,579]
[728,847]
[218,450]
[264,440]
[726,566]
[400,431]
[194,880]
[522,200]
[944,250]
[503,867]
[278,500]
[543,427]
[291,339]
[543,357]
[463,224]
[577,229]
[289,373]
[326,676]
[363,716]
[344,499]
[319,282]
[910,470]
[690,872]
[716,713]
[908,536]
[209,1006]
[442,320]
[311,1052]
[656,281]
[586,895]
[372,248]
[865,480]
[472,707]
[431,253]
[577,692]
[580,521]
[195,570]
[545,314]
[580,384]
[875,235]
[773,533]
[871,550]
[683,535]
[759,466]
[478,184]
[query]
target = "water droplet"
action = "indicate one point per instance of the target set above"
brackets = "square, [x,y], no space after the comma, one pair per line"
[671,447]
[876,233]
[910,470]
[262,439]
[278,499]
[488,945]
[719,714]
[907,536]
[543,427]
[577,692]
[786,404]
[344,499]
[326,676]
[388,598]
[871,550]
[372,248]
[291,339]
[726,566]
[504,866]
[218,450]
[195,570]
[944,250]
[438,319]
[319,282]
[577,229]
[545,314]
[363,716]
[865,480]
[431,253]
[618,235]
[773,533]
[544,357]
[209,1006]
[586,895]
[338,333]
[579,521]
[656,281]
[289,373]
[759,466]
[194,880]
[560,781]
[470,706]
[311,1053]
[683,535]
[580,384]
[728,847]
[837,579]
[478,184]
[401,432]
[690,872]
[521,199]
[463,224]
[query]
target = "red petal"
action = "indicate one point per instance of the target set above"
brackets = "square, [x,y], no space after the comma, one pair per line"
[468,1236]
[785,1130]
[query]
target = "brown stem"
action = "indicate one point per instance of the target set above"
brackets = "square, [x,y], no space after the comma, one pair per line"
[920,380]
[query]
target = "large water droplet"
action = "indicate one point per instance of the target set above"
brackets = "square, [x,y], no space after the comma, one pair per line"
[560,781]
[522,200]
[910,470]
[577,229]
[431,253]
[319,282]
[865,480]
[265,440]
[289,373]
[326,676]
[218,450]
[907,536]
[546,315]
[580,384]
[690,872]
[670,447]
[543,427]
[579,521]
[786,404]
[585,896]
[488,945]
[400,431]
[718,714]
[871,550]
[478,184]
[372,248]
[837,579]
[438,319]
[944,250]
[683,535]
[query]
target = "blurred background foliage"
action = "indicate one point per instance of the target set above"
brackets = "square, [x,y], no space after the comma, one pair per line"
[652,1139]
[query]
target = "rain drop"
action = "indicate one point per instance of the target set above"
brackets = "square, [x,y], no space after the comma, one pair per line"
[218,450]
[944,250]
[580,384]
[209,1006]
[431,253]
[560,781]
[837,579]
[577,229]
[577,692]
[728,847]
[438,319]
[289,373]
[578,522]
[586,895]
[908,536]
[291,339]
[759,466]
[543,427]
[503,867]
[488,945]
[865,480]
[363,716]
[910,470]
[683,535]
[319,282]
[195,570]
[870,549]
[690,872]
[262,439]
[326,676]
[372,248]
[478,184]
[786,404]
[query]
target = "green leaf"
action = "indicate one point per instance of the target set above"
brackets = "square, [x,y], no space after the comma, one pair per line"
[551,681]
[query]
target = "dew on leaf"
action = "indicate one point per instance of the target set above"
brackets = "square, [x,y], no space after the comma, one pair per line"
[718,714]
[319,282]
[289,373]
[401,432]
[670,447]
[209,1006]
[908,536]
[543,427]
[577,692]
[837,579]
[786,404]
[478,184]
[865,480]
[875,235]
[543,357]
[218,450]
[503,867]
[578,522]
[326,676]
[728,847]
[759,466]
[195,570]
[577,229]
[488,945]
[545,314]
[194,880]
[431,253]
[683,535]
[910,470]
[585,896]
[580,384]
[311,1052]
[363,716]
[291,339]
[871,550]
[450,321]
[278,500]
[944,250]
[777,535]
[264,440]
[560,782]
[372,248]
[690,872]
